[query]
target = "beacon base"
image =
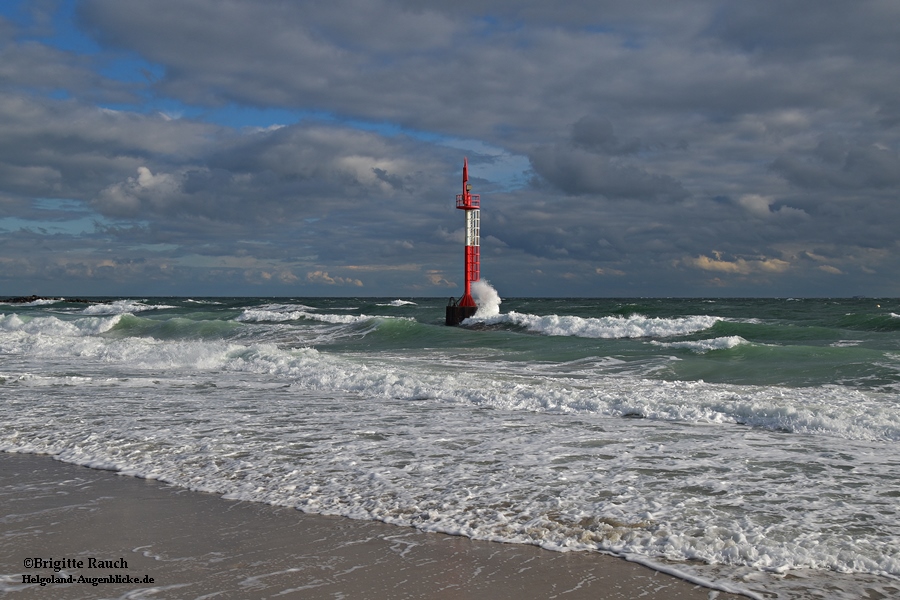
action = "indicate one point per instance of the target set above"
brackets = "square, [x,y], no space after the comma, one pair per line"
[456,314]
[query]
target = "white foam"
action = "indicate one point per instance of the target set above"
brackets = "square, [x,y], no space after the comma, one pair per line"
[634,326]
[827,410]
[257,315]
[339,319]
[704,346]
[712,473]
[40,302]
[268,315]
[120,307]
[486,298]
[398,303]
[275,313]
[51,327]
[327,434]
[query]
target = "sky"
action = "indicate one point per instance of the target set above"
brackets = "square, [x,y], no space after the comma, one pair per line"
[701,148]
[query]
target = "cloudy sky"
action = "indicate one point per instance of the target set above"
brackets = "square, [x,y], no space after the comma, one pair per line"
[291,148]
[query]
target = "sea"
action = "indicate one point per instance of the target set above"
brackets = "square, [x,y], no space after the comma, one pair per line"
[749,444]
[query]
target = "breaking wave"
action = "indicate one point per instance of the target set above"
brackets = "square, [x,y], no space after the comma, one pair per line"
[703,346]
[120,307]
[398,303]
[634,326]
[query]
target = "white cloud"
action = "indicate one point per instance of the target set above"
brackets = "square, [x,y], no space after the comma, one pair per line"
[761,206]
[324,277]
[125,199]
[738,266]
[756,204]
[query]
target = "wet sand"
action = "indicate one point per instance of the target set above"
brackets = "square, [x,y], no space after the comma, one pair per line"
[197,545]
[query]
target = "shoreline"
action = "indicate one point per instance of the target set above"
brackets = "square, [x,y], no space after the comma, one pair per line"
[196,545]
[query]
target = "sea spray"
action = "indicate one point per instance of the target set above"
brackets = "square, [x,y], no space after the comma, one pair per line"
[487,299]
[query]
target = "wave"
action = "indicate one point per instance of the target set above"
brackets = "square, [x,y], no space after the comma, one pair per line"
[828,410]
[617,327]
[870,322]
[846,343]
[398,303]
[258,315]
[192,445]
[40,302]
[283,313]
[439,431]
[704,346]
[262,315]
[173,328]
[120,307]
[55,328]
[275,313]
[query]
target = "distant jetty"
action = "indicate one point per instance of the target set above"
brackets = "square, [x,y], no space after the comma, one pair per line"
[28,299]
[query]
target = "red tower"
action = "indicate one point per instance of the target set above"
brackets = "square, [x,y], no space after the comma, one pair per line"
[465,307]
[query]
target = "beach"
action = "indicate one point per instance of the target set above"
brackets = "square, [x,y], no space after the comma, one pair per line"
[197,545]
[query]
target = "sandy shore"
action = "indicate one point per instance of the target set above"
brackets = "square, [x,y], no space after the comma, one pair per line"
[196,545]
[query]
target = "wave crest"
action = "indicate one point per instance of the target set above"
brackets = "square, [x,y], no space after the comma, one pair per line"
[121,307]
[398,302]
[263,315]
[634,326]
[704,346]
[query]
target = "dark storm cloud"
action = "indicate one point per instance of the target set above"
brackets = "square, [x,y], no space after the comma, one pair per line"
[835,164]
[434,67]
[334,189]
[692,148]
[304,171]
[439,68]
[577,172]
[255,206]
[596,162]
[810,28]
[596,135]
[66,149]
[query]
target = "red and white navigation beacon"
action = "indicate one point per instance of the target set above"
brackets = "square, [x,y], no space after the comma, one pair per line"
[465,307]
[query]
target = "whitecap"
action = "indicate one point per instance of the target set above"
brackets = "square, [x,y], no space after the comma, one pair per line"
[398,303]
[634,326]
[258,315]
[55,327]
[704,346]
[40,302]
[121,307]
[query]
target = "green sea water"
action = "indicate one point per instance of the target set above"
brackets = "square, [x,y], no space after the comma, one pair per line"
[751,443]
[788,342]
